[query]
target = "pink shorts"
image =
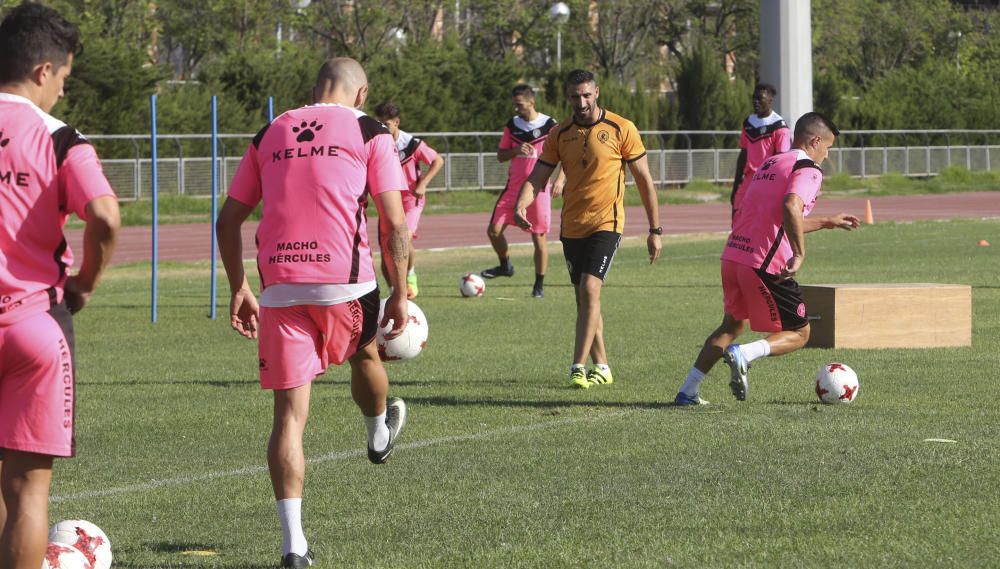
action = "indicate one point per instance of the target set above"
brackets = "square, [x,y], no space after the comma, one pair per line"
[771,304]
[539,212]
[37,391]
[297,343]
[413,209]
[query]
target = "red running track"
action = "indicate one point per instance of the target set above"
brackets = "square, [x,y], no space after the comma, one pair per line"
[191,242]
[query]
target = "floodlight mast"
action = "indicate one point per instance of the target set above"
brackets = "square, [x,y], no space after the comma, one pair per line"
[559,12]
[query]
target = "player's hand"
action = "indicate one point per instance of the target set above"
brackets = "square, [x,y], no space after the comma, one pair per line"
[844,221]
[521,217]
[526,149]
[557,189]
[76,294]
[397,310]
[244,313]
[420,191]
[792,267]
[655,246]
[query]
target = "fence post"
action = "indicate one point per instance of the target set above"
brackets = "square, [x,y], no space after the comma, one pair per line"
[155,184]
[215,199]
[481,164]
[690,160]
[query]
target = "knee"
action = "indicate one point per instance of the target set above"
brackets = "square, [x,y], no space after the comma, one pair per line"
[493,232]
[803,333]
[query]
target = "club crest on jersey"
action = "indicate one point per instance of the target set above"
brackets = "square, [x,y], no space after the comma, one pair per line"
[762,130]
[603,136]
[536,133]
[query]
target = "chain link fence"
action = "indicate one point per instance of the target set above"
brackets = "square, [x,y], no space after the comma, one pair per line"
[675,157]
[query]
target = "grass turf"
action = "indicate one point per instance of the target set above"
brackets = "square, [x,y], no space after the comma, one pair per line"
[503,466]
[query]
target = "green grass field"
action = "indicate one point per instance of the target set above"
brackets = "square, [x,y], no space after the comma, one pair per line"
[503,466]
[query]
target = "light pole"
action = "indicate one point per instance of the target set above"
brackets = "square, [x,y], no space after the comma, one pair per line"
[559,12]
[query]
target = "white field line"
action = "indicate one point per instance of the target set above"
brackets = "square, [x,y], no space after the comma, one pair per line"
[330,457]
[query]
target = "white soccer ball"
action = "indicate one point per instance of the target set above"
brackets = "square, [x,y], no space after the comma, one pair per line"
[85,537]
[471,285]
[62,556]
[836,383]
[407,345]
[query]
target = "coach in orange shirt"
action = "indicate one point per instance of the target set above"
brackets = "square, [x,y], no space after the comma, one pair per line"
[594,146]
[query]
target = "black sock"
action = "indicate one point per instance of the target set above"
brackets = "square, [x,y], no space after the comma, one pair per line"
[505,263]
[539,280]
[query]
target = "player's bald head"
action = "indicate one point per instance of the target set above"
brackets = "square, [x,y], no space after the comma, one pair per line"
[341,80]
[341,73]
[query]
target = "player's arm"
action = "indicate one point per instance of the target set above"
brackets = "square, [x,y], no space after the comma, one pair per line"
[529,189]
[559,184]
[396,250]
[647,191]
[435,167]
[508,154]
[243,308]
[741,163]
[99,238]
[795,230]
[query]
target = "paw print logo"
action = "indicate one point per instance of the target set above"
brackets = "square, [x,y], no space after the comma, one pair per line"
[3,141]
[306,131]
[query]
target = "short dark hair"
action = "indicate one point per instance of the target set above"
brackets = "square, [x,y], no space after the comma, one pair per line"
[814,124]
[387,110]
[523,90]
[580,76]
[32,34]
[765,87]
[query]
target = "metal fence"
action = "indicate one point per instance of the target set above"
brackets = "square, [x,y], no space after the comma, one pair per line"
[675,158]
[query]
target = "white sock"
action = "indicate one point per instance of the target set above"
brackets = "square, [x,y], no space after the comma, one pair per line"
[693,382]
[603,367]
[378,433]
[754,350]
[575,367]
[290,516]
[411,272]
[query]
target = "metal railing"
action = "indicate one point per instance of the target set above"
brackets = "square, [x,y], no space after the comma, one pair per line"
[675,157]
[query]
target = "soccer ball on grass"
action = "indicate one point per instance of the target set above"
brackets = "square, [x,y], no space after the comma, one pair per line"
[836,383]
[86,538]
[471,285]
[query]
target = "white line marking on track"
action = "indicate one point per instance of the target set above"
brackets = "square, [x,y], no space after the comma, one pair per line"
[330,457]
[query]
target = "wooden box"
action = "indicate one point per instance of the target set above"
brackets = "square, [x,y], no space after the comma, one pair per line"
[889,315]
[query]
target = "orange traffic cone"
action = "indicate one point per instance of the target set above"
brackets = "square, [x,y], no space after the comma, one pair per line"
[984,243]
[868,213]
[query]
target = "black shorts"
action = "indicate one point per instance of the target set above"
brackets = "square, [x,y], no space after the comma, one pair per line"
[592,254]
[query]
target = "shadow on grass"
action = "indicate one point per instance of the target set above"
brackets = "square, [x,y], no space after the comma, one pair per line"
[191,560]
[534,404]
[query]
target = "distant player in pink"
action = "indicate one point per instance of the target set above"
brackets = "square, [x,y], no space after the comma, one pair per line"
[412,153]
[314,169]
[48,170]
[521,145]
[764,134]
[763,253]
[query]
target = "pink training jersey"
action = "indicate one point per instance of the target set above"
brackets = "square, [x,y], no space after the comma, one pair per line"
[412,153]
[761,138]
[758,237]
[313,168]
[47,171]
[517,132]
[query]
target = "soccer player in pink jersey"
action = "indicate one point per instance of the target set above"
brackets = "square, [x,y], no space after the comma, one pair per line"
[764,134]
[314,169]
[412,153]
[521,145]
[763,253]
[47,171]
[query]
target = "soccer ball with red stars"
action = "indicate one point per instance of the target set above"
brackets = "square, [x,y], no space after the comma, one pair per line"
[836,383]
